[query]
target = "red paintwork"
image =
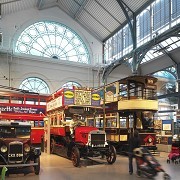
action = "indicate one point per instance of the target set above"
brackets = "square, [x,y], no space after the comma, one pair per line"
[61,131]
[12,102]
[56,94]
[81,133]
[21,116]
[23,105]
[37,135]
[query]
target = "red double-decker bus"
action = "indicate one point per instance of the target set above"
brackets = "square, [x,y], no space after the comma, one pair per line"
[21,105]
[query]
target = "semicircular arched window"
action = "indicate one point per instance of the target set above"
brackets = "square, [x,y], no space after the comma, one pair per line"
[52,40]
[165,74]
[34,84]
[70,85]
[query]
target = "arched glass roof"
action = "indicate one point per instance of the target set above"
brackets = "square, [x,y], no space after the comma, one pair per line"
[34,84]
[52,40]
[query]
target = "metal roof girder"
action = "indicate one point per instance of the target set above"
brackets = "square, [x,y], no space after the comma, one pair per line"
[158,39]
[123,60]
[137,58]
[81,8]
[144,49]
[168,54]
[122,4]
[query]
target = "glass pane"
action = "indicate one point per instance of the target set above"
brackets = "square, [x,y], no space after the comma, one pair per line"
[123,122]
[71,84]
[52,40]
[33,84]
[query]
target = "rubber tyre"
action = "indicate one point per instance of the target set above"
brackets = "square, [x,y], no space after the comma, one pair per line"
[75,156]
[111,155]
[37,168]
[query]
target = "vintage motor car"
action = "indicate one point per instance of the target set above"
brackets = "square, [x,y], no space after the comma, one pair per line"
[86,142]
[16,150]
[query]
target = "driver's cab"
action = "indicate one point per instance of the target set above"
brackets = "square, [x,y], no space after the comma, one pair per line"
[77,120]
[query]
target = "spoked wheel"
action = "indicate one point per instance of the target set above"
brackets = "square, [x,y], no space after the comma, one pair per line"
[75,156]
[37,167]
[111,155]
[52,146]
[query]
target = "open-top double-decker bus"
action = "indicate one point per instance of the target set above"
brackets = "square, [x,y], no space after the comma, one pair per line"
[129,103]
[77,106]
[21,105]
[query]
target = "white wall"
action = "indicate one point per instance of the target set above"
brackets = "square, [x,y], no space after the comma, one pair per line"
[55,74]
[119,72]
[14,69]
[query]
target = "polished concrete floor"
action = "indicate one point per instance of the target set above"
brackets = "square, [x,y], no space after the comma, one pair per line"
[54,167]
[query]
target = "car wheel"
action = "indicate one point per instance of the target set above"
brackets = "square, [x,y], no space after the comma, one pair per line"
[111,155]
[75,156]
[52,145]
[37,167]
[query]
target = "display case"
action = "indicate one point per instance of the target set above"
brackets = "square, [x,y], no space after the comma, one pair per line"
[163,132]
[166,140]
[157,129]
[157,124]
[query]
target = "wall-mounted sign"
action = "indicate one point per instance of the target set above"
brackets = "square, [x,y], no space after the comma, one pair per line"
[166,125]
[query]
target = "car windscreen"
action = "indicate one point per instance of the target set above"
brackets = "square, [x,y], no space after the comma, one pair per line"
[14,132]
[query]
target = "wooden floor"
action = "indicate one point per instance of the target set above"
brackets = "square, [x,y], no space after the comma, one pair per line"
[54,167]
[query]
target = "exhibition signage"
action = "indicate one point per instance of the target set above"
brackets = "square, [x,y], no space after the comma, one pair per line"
[21,109]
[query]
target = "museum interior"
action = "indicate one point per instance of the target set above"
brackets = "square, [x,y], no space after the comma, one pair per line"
[89,89]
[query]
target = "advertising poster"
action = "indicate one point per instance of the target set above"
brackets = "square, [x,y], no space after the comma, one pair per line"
[68,97]
[82,97]
[21,109]
[95,99]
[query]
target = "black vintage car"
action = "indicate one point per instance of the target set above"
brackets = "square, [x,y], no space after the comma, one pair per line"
[15,146]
